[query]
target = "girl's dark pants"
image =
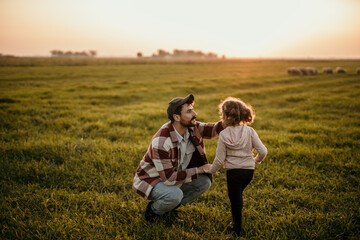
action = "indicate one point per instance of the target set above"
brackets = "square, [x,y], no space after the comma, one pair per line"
[237,180]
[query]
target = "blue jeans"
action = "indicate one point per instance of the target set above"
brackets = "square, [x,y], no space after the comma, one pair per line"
[166,198]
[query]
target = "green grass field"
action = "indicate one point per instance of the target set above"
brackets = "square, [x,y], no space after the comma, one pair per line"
[72,133]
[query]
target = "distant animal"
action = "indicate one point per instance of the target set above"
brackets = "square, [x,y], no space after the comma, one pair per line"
[294,71]
[303,71]
[340,70]
[328,70]
[358,70]
[311,71]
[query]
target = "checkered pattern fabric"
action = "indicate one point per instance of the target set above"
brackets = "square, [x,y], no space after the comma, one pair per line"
[162,157]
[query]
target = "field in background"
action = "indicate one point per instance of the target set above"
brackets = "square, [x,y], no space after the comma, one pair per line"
[72,133]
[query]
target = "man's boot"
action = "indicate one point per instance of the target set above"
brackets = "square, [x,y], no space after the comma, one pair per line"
[149,214]
[173,214]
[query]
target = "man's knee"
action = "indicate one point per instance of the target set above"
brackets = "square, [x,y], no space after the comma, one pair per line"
[174,197]
[166,199]
[204,182]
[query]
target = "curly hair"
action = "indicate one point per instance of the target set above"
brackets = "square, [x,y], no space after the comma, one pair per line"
[234,111]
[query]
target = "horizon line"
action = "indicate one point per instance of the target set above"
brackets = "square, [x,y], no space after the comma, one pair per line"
[4,56]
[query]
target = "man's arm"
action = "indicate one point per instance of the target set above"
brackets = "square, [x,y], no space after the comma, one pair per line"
[209,130]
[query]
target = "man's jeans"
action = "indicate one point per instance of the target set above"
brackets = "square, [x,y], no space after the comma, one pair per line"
[166,198]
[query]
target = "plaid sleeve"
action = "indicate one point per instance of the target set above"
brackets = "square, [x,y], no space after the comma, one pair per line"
[161,155]
[210,130]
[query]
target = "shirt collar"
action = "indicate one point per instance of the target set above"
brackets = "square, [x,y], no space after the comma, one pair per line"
[185,137]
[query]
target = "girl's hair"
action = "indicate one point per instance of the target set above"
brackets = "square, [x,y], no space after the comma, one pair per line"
[234,111]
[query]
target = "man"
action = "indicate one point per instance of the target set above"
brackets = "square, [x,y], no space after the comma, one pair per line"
[172,172]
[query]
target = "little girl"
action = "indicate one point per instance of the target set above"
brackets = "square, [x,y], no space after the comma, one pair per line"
[235,151]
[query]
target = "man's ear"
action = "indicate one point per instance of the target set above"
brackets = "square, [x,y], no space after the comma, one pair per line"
[176,117]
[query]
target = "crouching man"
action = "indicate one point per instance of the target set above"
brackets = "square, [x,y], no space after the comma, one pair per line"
[172,171]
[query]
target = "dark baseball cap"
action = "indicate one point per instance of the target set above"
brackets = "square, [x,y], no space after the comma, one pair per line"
[176,102]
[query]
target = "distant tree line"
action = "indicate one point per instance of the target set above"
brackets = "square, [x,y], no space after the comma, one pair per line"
[59,53]
[178,53]
[6,56]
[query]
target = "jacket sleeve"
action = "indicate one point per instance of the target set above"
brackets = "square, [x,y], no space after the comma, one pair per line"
[219,157]
[210,130]
[161,157]
[259,146]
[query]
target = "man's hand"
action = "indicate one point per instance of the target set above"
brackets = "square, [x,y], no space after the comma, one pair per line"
[204,169]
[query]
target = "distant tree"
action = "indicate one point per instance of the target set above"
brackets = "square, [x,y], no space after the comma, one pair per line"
[139,54]
[53,53]
[93,53]
[7,56]
[59,53]
[56,53]
[163,53]
[199,54]
[178,53]
[211,55]
[84,54]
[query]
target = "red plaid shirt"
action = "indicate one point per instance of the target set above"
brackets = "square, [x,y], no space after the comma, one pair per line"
[161,160]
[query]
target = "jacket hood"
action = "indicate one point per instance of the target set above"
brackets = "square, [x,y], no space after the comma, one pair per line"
[233,136]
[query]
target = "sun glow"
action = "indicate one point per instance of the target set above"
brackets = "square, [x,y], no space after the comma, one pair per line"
[235,28]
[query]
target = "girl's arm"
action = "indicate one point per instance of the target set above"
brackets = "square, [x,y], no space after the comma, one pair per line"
[259,146]
[219,157]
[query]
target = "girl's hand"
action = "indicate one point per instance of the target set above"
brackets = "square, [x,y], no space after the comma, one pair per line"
[204,169]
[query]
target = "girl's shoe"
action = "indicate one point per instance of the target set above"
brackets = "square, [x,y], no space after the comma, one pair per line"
[231,225]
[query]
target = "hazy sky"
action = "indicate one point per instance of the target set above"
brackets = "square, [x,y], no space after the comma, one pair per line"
[236,28]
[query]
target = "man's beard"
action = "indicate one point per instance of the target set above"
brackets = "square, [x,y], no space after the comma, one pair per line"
[187,124]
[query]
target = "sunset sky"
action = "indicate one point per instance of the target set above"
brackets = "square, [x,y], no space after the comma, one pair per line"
[235,28]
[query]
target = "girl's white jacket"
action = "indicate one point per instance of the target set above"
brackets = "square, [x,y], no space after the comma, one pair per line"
[235,149]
